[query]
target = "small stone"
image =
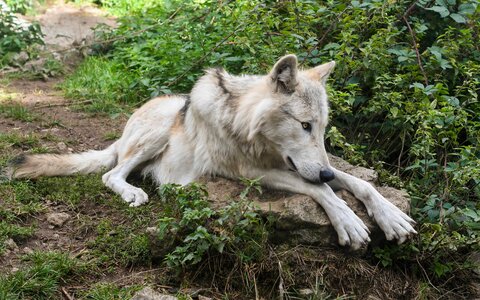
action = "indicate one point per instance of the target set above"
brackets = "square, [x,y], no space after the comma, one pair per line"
[152,230]
[57,219]
[475,259]
[56,236]
[11,245]
[305,292]
[149,294]
[14,269]
[21,58]
[27,250]
[62,146]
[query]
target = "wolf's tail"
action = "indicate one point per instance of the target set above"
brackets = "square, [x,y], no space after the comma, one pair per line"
[36,165]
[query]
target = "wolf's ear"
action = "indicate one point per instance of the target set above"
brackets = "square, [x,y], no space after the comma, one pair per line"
[321,72]
[284,74]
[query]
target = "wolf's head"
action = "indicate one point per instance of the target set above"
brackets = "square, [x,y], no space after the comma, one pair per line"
[295,115]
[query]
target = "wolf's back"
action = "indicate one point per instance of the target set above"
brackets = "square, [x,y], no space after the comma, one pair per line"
[36,165]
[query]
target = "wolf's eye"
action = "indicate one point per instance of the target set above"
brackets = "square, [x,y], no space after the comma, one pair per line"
[307,126]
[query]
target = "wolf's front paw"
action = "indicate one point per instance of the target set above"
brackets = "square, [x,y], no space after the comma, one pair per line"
[135,196]
[350,228]
[393,222]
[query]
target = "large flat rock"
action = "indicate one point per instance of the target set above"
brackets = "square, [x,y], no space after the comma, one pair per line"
[300,220]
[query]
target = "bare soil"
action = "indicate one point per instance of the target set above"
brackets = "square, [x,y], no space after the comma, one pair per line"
[78,130]
[62,129]
[65,24]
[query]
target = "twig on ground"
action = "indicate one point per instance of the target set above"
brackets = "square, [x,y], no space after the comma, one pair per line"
[140,273]
[426,275]
[401,153]
[256,289]
[66,294]
[281,291]
[62,104]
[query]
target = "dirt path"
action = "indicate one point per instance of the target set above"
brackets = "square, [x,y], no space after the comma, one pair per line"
[59,127]
[55,127]
[64,26]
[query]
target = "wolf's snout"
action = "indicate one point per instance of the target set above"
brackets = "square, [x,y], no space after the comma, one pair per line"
[326,175]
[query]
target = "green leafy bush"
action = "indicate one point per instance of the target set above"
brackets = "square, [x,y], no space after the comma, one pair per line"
[122,7]
[20,6]
[404,95]
[15,36]
[198,230]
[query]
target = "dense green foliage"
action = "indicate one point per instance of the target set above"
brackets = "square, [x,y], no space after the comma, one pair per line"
[19,6]
[15,36]
[194,229]
[121,7]
[404,95]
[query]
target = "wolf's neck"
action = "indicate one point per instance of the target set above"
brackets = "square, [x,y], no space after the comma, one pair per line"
[223,105]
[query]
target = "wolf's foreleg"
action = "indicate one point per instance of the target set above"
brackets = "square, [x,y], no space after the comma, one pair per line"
[394,223]
[350,228]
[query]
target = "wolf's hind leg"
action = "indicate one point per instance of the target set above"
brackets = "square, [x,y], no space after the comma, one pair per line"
[116,178]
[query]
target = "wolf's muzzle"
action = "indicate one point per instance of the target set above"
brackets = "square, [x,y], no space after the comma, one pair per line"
[327,175]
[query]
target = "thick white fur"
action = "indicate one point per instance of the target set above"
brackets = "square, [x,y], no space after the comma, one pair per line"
[237,126]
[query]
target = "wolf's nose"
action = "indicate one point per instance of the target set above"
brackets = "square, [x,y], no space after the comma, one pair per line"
[326,175]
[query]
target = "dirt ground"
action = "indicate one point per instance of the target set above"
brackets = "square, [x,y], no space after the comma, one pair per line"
[65,26]
[72,129]
[60,129]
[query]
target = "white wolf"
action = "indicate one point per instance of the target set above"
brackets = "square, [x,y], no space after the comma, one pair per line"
[268,126]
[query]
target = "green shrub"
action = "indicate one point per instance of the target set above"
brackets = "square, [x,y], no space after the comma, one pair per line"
[20,6]
[199,230]
[16,37]
[125,7]
[404,95]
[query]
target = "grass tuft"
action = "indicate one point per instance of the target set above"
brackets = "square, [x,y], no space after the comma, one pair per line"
[16,111]
[23,141]
[106,93]
[44,273]
[108,291]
